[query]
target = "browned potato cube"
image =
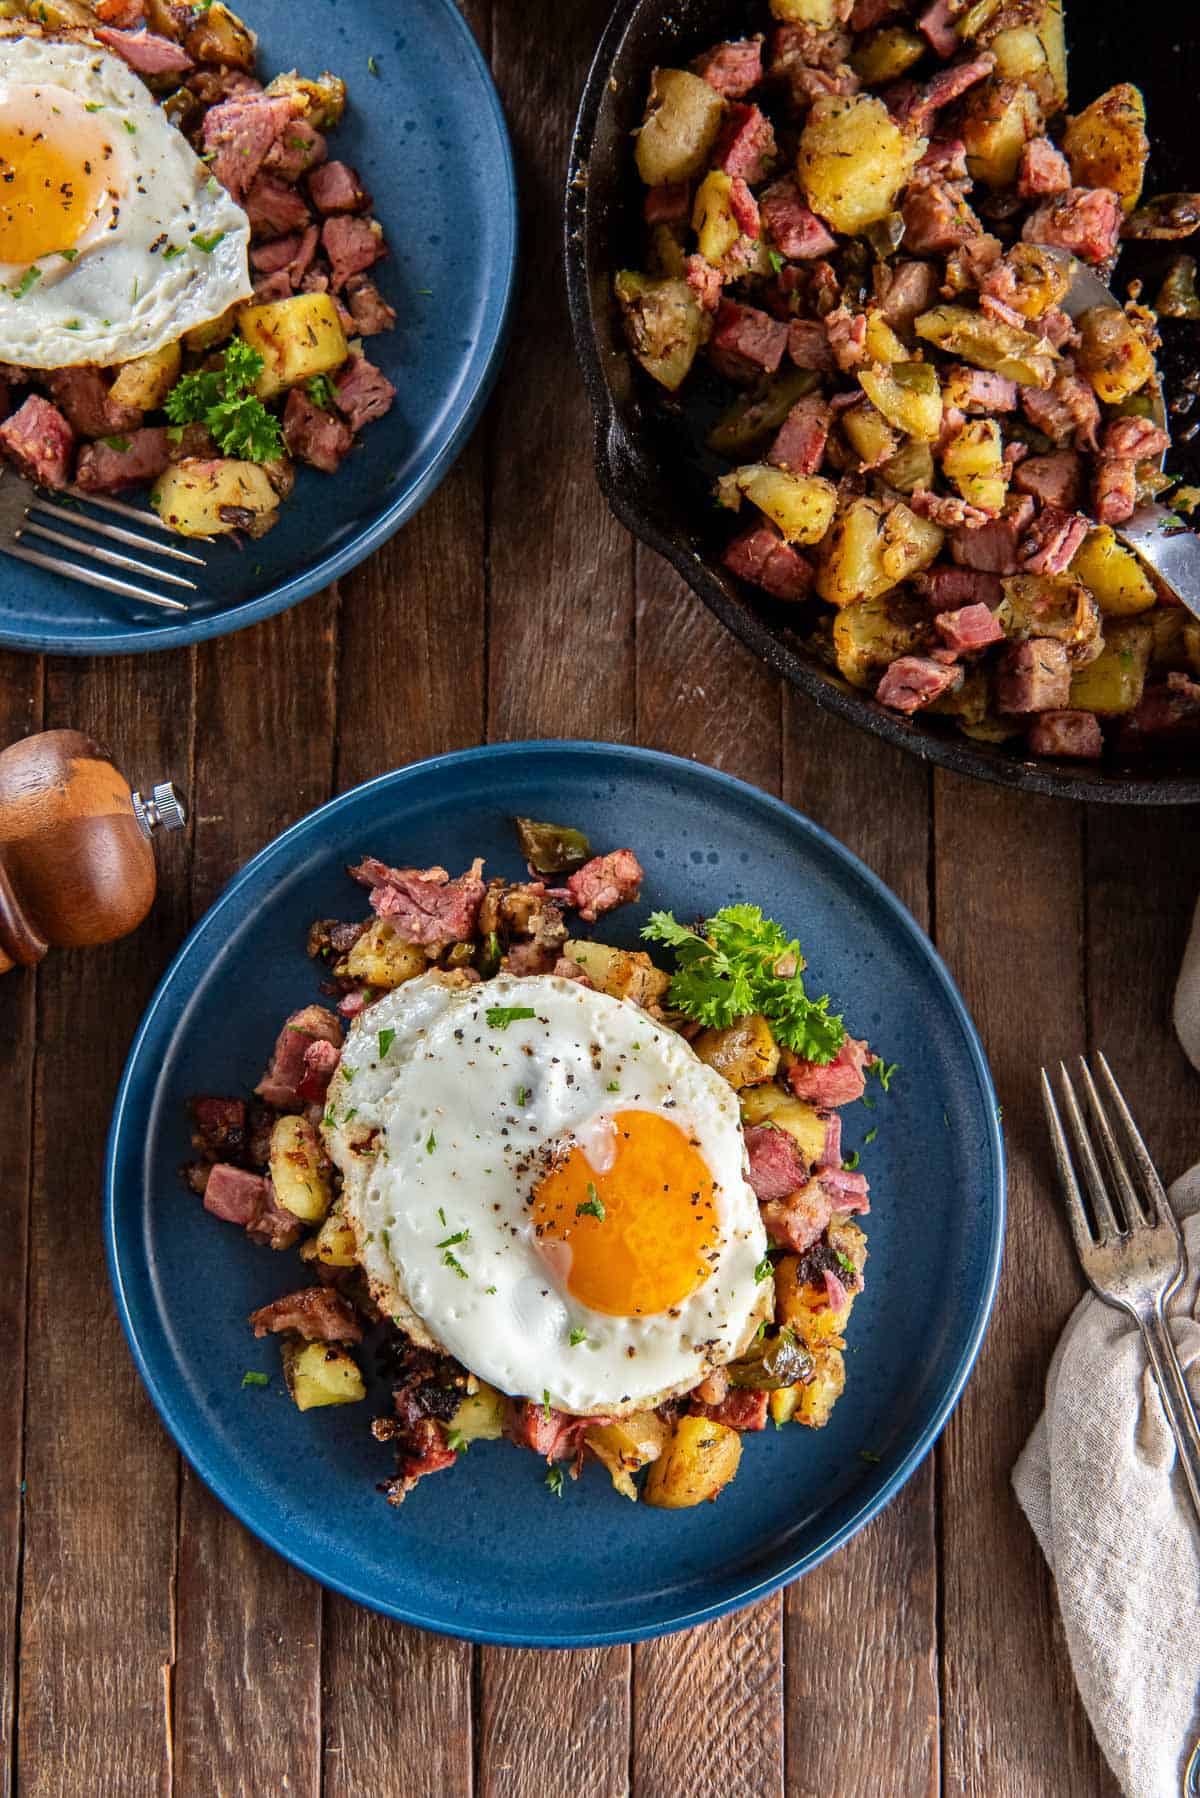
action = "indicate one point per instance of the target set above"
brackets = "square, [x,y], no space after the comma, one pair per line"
[700,1459]
[744,1054]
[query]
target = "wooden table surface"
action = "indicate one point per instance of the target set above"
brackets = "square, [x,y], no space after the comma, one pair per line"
[147,1643]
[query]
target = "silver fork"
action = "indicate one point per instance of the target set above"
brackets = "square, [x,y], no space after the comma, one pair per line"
[1131,1249]
[28,513]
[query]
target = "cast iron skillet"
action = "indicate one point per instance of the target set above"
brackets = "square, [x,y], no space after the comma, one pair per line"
[660,491]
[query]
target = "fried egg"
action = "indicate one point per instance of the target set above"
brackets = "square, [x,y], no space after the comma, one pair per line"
[549,1186]
[114,239]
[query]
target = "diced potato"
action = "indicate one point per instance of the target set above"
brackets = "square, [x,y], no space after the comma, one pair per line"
[146,381]
[887,54]
[782,1404]
[910,544]
[743,1054]
[911,467]
[752,417]
[214,331]
[868,551]
[628,1444]
[822,13]
[802,505]
[381,960]
[324,97]
[699,1460]
[999,118]
[299,1170]
[908,395]
[805,1307]
[1042,279]
[622,973]
[480,1414]
[683,116]
[883,345]
[1106,144]
[1033,50]
[207,499]
[988,343]
[321,1373]
[815,1401]
[973,20]
[1113,355]
[667,255]
[854,160]
[974,461]
[869,435]
[664,323]
[712,217]
[1113,683]
[219,36]
[1114,576]
[1051,605]
[334,1243]
[772,1105]
[297,338]
[869,635]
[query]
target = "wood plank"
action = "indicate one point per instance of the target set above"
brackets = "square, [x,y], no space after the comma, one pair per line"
[249,1626]
[872,1609]
[701,695]
[20,713]
[1010,918]
[97,1622]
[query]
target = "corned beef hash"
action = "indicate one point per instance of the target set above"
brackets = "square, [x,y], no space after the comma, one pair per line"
[866,215]
[184,284]
[575,1200]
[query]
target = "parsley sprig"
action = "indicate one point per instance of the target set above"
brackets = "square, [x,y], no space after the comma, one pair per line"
[740,962]
[222,400]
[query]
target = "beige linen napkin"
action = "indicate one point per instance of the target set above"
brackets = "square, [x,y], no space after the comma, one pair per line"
[1099,1484]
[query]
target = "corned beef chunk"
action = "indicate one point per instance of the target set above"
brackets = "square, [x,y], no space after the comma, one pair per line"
[604,883]
[40,441]
[314,435]
[146,52]
[109,466]
[362,392]
[336,187]
[316,1312]
[289,1068]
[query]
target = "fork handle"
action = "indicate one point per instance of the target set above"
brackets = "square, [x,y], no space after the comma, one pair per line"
[1177,1400]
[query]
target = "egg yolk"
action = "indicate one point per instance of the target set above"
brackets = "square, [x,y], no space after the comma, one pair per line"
[638,1237]
[56,169]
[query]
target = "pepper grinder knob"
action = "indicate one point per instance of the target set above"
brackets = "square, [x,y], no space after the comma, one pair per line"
[164,808]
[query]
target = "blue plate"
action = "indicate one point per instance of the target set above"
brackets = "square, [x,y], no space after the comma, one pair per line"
[428,136]
[485,1551]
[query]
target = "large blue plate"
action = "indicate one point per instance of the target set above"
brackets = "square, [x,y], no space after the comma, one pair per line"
[429,138]
[485,1551]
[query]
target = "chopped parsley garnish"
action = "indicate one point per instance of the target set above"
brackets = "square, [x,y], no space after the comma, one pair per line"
[739,963]
[386,1039]
[593,1206]
[320,391]
[120,444]
[430,1146]
[169,254]
[28,280]
[73,325]
[222,400]
[522,1095]
[576,1337]
[554,1480]
[69,255]
[372,65]
[883,1072]
[212,185]
[499,1017]
[872,1133]
[256,1379]
[764,1270]
[456,1442]
[452,1262]
[130,127]
[352,1113]
[441,1216]
[845,1263]
[448,1242]
[868,1454]
[489,1289]
[777,261]
[851,1161]
[94,106]
[614,1086]
[546,1403]
[208,244]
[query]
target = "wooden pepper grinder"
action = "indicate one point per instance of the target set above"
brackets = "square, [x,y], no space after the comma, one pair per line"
[76,862]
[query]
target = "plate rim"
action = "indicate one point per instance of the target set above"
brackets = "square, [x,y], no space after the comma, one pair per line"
[184,1437]
[317,575]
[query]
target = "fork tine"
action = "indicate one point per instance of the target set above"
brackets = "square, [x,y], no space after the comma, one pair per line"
[97,553]
[1131,1200]
[1102,1209]
[91,577]
[1158,1203]
[1076,1215]
[139,514]
[117,532]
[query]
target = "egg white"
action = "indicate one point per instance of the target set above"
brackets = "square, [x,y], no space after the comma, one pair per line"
[436,1128]
[122,296]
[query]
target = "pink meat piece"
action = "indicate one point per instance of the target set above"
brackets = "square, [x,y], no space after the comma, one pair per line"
[1074,734]
[740,1409]
[991,547]
[836,1295]
[1170,710]
[1053,538]
[968,629]
[352,1005]
[248,1200]
[530,958]
[847,334]
[777,1167]
[1043,172]
[760,555]
[948,589]
[808,344]
[368,308]
[567,969]
[40,441]
[1054,480]
[336,187]
[800,444]
[145,52]
[946,509]
[733,68]
[979,390]
[280,1085]
[1084,220]
[744,207]
[794,229]
[870,12]
[917,112]
[668,204]
[314,435]
[131,461]
[1034,676]
[801,1219]
[299,266]
[848,1191]
[910,289]
[269,258]
[1140,439]
[971,263]
[212,87]
[82,395]
[936,28]
[946,157]
[937,218]
[555,1435]
[241,131]
[747,339]
[274,208]
[831,1151]
[300,149]
[269,288]
[315,1312]
[1058,329]
[836,1082]
[320,1064]
[1126,442]
[604,883]
[352,245]
[745,145]
[362,392]
[220,1124]
[371,872]
[914,681]
[1067,411]
[433,913]
[704,280]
